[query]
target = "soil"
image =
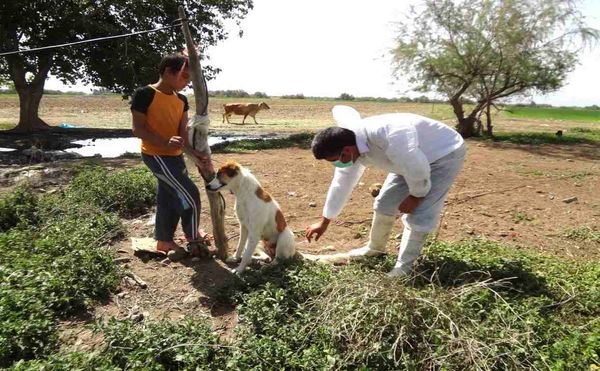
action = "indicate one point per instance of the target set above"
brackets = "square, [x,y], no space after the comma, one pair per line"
[514,194]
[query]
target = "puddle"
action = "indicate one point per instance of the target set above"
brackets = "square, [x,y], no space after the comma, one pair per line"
[2,149]
[115,147]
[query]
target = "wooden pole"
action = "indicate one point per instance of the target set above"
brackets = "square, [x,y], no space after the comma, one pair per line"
[200,123]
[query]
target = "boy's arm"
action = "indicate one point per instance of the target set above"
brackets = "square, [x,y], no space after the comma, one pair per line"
[140,130]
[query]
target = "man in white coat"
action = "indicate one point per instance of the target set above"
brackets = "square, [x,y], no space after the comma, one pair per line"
[422,156]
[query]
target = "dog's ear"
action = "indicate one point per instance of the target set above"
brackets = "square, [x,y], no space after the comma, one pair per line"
[230,168]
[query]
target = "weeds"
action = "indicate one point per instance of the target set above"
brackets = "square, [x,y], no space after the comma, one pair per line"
[53,260]
[471,305]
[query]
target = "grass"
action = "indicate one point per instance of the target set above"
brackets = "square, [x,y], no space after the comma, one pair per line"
[585,233]
[472,305]
[572,136]
[549,113]
[54,262]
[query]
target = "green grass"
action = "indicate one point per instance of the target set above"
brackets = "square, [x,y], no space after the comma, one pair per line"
[472,305]
[548,113]
[570,136]
[54,262]
[591,234]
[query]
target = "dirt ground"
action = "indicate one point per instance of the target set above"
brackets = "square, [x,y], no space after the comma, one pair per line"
[514,194]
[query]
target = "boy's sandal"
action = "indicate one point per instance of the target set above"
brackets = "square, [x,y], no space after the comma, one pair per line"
[198,249]
[177,254]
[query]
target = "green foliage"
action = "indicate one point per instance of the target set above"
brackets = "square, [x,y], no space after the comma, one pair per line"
[301,140]
[293,96]
[54,260]
[486,50]
[551,113]
[591,234]
[472,305]
[346,96]
[573,136]
[119,66]
[229,93]
[17,207]
[127,192]
[260,94]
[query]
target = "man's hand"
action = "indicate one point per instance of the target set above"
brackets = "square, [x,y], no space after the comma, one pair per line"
[409,204]
[175,142]
[317,229]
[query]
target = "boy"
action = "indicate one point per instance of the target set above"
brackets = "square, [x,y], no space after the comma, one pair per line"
[160,119]
[422,157]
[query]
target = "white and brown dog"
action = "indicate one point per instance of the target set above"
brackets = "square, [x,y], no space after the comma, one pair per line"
[258,213]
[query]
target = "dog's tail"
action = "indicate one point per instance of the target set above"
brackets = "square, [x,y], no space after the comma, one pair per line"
[286,246]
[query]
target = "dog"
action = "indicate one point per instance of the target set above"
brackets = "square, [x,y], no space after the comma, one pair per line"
[259,215]
[245,109]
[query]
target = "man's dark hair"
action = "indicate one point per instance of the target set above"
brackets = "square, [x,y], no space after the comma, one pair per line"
[331,141]
[174,62]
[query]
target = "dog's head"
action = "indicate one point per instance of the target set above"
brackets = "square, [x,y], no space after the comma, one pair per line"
[227,175]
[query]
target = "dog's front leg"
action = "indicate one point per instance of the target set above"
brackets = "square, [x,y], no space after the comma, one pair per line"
[240,246]
[251,243]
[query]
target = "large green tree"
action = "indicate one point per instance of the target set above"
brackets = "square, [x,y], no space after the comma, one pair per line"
[118,65]
[487,50]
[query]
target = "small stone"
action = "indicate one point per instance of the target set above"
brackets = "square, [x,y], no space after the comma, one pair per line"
[196,259]
[291,194]
[191,298]
[503,234]
[329,248]
[568,200]
[312,204]
[121,295]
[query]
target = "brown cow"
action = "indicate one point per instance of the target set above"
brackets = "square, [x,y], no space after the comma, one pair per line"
[245,109]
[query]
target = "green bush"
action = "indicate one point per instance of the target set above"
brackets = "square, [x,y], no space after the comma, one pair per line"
[17,207]
[128,192]
[54,261]
[472,305]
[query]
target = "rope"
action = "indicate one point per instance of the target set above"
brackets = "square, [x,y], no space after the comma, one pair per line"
[91,40]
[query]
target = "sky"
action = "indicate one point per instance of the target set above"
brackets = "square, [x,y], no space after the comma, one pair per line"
[326,48]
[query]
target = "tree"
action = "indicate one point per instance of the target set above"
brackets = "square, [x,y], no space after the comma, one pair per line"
[487,50]
[117,65]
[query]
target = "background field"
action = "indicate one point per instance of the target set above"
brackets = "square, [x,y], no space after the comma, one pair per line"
[288,115]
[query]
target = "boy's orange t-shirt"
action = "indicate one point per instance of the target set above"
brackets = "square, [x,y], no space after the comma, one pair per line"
[163,116]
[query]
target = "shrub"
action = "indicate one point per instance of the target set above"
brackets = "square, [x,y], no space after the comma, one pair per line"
[17,207]
[53,260]
[128,192]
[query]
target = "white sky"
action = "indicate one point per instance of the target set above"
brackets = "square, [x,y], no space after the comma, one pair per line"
[325,48]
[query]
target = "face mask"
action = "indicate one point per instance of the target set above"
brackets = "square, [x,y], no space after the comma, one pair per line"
[341,164]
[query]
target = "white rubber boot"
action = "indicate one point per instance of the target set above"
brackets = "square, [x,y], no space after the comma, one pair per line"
[380,233]
[410,248]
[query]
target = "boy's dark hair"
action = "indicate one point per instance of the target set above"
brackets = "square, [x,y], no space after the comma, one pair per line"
[174,62]
[331,141]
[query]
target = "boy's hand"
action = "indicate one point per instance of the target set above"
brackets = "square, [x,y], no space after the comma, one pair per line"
[175,142]
[316,229]
[409,204]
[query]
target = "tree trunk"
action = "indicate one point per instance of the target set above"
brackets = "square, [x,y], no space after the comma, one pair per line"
[30,93]
[217,206]
[488,117]
[466,125]
[30,97]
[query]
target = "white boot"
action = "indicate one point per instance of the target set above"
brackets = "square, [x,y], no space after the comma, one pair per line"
[410,248]
[380,233]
